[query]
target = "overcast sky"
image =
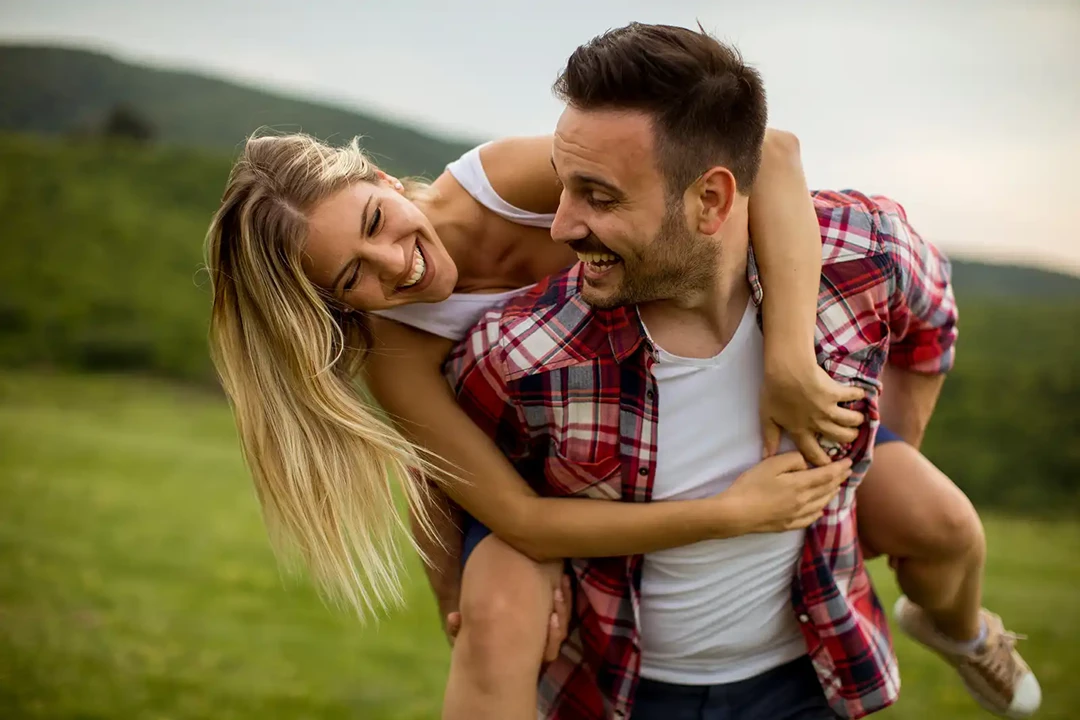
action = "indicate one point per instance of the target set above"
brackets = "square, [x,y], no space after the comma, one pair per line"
[967,111]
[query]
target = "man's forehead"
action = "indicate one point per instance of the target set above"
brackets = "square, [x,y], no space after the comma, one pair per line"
[619,139]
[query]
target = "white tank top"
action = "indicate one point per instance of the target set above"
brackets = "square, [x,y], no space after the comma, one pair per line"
[454,317]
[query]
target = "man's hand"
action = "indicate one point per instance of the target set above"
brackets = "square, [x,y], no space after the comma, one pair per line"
[558,623]
[802,399]
[780,494]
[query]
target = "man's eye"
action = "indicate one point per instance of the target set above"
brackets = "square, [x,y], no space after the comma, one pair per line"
[599,201]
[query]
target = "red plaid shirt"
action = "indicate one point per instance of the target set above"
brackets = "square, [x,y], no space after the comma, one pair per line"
[568,394]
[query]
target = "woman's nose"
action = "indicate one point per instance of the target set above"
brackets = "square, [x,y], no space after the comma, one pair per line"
[387,261]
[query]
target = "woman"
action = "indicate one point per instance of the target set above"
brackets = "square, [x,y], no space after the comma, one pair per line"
[308,237]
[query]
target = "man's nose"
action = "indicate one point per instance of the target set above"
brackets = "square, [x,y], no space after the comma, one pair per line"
[569,224]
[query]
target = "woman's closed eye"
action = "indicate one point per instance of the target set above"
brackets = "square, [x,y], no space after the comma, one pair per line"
[373,227]
[354,277]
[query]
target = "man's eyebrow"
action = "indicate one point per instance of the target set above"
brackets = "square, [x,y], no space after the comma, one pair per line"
[585,179]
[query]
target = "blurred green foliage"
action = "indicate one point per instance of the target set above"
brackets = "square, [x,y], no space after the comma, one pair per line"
[102,255]
[101,271]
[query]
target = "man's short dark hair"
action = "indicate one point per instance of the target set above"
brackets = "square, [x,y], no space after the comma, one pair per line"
[708,106]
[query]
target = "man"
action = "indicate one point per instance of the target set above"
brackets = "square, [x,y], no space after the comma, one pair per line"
[635,376]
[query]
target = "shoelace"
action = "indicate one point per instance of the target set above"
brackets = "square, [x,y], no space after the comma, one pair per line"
[999,661]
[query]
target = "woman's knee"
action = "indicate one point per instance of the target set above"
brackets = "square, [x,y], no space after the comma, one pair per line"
[959,527]
[506,601]
[909,508]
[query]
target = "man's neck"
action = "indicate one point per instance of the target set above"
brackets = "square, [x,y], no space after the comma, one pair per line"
[700,324]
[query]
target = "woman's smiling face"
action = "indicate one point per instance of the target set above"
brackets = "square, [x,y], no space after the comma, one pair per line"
[373,249]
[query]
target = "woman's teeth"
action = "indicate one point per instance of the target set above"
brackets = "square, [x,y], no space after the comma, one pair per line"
[599,259]
[419,266]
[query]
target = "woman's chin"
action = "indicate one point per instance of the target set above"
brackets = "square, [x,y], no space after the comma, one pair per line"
[438,292]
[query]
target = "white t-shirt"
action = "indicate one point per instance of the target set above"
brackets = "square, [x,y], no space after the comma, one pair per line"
[717,611]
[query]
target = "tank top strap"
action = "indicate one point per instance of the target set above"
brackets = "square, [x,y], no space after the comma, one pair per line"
[469,172]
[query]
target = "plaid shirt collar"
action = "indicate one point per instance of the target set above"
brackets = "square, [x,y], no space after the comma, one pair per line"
[588,332]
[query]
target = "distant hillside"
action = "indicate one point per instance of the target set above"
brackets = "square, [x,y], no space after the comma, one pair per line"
[976,279]
[59,91]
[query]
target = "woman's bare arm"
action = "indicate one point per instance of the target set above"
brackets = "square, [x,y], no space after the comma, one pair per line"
[798,395]
[520,171]
[404,375]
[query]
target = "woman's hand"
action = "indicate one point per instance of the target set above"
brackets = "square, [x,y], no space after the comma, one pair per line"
[801,398]
[780,494]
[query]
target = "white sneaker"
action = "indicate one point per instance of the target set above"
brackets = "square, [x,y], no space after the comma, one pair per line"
[995,674]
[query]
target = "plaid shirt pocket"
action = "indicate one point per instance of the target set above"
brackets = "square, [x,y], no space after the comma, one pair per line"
[597,479]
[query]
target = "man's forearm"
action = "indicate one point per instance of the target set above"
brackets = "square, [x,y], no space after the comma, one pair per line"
[907,402]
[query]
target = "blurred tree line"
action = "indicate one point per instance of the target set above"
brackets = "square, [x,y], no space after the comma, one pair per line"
[102,272]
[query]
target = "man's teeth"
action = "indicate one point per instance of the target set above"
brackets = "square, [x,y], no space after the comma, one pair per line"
[419,266]
[596,258]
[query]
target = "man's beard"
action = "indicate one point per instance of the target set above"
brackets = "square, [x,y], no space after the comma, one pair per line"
[676,263]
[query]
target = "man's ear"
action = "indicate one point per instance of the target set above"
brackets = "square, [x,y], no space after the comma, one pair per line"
[714,196]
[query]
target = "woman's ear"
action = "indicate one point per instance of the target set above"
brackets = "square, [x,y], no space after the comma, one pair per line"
[391,181]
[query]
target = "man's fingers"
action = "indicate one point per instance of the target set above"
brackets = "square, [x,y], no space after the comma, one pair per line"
[559,622]
[810,449]
[453,626]
[554,639]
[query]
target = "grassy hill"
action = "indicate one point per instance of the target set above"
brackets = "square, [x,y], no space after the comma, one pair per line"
[62,91]
[137,582]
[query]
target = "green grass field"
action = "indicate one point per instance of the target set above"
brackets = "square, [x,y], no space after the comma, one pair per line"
[136,581]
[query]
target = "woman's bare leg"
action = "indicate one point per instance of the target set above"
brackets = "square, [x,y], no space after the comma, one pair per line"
[506,606]
[910,511]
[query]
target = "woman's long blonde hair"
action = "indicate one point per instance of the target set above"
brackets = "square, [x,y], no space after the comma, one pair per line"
[324,462]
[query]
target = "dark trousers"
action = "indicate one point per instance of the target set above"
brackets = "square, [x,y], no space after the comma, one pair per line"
[789,692]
